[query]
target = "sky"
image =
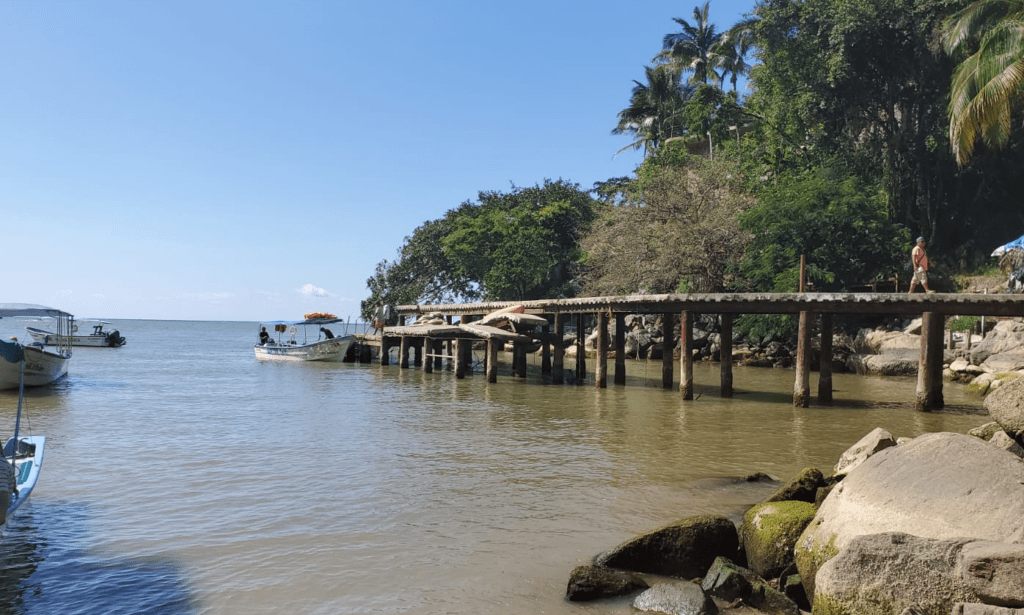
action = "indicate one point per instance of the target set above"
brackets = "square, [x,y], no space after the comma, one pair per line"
[248,161]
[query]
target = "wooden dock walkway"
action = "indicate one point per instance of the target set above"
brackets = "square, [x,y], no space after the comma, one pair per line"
[932,307]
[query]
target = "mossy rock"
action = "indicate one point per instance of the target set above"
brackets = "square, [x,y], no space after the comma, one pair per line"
[978,388]
[802,488]
[684,549]
[769,533]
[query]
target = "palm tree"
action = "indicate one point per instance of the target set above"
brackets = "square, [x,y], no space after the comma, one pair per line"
[988,86]
[732,50]
[653,112]
[692,48]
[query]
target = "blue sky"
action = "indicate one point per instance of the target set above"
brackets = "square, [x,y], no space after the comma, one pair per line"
[256,160]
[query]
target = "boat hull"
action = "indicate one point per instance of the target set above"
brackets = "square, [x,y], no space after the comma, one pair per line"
[42,367]
[102,340]
[27,466]
[333,349]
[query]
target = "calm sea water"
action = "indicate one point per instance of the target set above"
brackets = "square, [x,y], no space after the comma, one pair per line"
[183,476]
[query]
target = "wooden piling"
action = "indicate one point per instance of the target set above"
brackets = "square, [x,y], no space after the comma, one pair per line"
[620,348]
[545,350]
[686,354]
[403,353]
[428,361]
[601,369]
[929,372]
[558,360]
[385,350]
[825,361]
[581,351]
[436,349]
[520,360]
[460,357]
[492,359]
[802,386]
[726,355]
[667,349]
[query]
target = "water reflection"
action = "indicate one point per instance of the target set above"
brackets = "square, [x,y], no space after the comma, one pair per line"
[45,572]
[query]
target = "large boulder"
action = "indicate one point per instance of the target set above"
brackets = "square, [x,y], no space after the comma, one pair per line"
[1006,406]
[939,485]
[684,549]
[595,582]
[894,363]
[886,574]
[769,533]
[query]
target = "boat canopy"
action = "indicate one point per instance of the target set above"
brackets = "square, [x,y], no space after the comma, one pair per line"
[11,351]
[28,309]
[311,321]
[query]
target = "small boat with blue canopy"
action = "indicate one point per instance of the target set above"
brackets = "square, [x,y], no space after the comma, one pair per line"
[290,340]
[43,363]
[23,455]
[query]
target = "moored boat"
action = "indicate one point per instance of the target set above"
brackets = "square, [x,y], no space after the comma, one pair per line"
[23,455]
[326,346]
[99,338]
[42,364]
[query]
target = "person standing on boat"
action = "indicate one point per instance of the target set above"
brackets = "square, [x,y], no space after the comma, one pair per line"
[919,258]
[327,333]
[264,336]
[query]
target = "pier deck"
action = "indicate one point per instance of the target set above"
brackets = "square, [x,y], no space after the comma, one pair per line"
[932,307]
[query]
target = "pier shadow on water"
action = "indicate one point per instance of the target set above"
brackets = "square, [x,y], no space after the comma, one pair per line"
[44,571]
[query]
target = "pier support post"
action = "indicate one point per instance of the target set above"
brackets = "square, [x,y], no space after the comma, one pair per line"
[418,350]
[492,359]
[385,347]
[929,371]
[460,357]
[686,354]
[601,369]
[403,353]
[558,361]
[520,360]
[726,354]
[428,361]
[581,351]
[545,350]
[668,347]
[802,386]
[620,348]
[825,361]
[438,346]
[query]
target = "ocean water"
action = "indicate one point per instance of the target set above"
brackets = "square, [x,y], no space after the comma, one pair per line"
[182,476]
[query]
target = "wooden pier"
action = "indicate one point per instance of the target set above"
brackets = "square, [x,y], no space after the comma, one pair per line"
[932,307]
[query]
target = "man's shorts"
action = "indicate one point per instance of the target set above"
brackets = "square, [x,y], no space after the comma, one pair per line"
[921,277]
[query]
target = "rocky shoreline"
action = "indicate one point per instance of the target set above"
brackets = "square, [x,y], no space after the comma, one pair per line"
[932,525]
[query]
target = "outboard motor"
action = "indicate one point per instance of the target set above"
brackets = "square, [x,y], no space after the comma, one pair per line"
[114,338]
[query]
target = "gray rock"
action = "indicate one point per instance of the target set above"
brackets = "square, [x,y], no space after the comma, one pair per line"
[959,365]
[986,431]
[1006,405]
[983,609]
[895,363]
[883,574]
[679,598]
[595,582]
[939,485]
[876,440]
[1001,440]
[994,571]
[685,549]
[1002,363]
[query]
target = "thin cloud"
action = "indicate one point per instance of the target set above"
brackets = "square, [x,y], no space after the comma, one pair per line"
[315,291]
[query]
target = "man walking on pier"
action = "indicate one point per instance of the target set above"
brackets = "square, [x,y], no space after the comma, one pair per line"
[920,260]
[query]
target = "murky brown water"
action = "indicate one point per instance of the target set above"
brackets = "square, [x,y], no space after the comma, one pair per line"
[183,476]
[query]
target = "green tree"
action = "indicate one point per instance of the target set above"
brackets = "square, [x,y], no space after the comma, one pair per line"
[693,49]
[988,85]
[653,114]
[676,231]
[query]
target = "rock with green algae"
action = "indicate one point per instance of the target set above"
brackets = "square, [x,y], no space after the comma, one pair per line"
[770,531]
[802,488]
[684,549]
[596,582]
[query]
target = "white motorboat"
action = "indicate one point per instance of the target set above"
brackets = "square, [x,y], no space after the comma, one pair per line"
[284,344]
[23,455]
[99,338]
[42,364]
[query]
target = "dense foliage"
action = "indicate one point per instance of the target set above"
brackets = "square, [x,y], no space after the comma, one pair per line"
[506,246]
